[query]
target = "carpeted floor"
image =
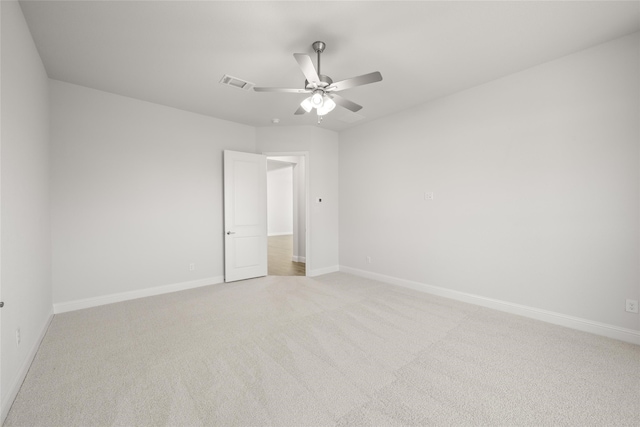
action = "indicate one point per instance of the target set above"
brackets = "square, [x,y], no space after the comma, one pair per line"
[331,350]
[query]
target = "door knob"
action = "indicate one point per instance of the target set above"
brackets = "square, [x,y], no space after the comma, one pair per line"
[231,232]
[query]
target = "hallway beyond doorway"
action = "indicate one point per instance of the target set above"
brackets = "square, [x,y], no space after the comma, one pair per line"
[281,255]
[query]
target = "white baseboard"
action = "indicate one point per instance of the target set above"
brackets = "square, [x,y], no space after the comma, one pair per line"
[299,259]
[321,271]
[64,307]
[11,394]
[585,325]
[286,233]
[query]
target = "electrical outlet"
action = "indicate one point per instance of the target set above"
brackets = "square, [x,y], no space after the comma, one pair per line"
[632,305]
[18,338]
[368,260]
[192,266]
[428,195]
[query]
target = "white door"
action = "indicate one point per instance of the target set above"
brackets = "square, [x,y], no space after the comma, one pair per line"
[245,215]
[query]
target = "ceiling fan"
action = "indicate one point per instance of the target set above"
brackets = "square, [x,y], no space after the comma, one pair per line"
[322,89]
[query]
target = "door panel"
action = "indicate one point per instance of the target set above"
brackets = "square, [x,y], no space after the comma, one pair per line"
[245,215]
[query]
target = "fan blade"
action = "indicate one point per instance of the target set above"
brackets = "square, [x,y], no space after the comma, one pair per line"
[304,61]
[299,111]
[364,79]
[280,89]
[343,102]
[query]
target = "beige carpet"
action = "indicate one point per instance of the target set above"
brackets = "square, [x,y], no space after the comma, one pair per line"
[332,350]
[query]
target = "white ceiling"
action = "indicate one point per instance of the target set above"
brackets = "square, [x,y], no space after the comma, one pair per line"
[175,52]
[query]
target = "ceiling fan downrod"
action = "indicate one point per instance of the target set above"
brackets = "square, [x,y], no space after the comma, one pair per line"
[318,47]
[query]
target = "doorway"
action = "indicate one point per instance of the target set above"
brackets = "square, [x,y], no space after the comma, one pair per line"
[287,215]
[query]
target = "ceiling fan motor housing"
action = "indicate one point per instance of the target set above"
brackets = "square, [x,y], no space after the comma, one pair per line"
[324,82]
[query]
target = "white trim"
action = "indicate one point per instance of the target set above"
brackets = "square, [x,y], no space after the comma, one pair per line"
[298,259]
[286,233]
[11,394]
[321,271]
[64,307]
[585,325]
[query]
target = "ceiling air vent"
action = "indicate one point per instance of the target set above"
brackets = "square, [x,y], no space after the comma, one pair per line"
[236,82]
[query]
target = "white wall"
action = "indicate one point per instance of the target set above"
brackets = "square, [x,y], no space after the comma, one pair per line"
[322,168]
[536,182]
[25,229]
[137,193]
[279,198]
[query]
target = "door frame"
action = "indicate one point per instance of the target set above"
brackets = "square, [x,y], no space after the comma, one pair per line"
[307,235]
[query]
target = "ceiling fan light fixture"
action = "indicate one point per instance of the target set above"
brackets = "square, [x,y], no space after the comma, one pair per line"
[317,99]
[327,106]
[307,105]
